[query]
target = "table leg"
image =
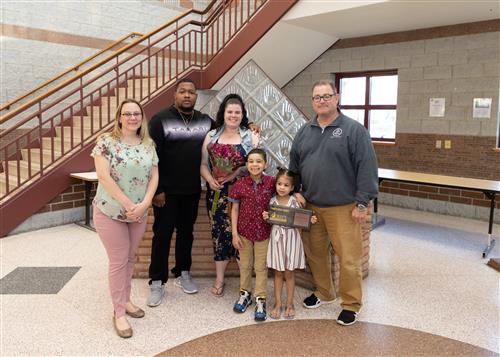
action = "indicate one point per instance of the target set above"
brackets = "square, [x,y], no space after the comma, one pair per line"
[376,221]
[491,241]
[88,189]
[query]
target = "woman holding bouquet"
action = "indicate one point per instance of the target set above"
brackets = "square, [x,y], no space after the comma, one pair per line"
[224,154]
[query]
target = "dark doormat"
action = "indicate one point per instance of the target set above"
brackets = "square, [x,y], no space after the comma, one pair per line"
[36,280]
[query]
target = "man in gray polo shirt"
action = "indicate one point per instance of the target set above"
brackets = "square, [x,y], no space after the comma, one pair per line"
[336,163]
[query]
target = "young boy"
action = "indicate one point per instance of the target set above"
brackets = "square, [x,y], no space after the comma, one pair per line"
[250,197]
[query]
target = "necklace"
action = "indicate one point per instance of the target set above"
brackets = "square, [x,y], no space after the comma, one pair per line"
[186,119]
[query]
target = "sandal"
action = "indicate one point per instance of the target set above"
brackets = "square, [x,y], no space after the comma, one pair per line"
[289,312]
[218,291]
[275,313]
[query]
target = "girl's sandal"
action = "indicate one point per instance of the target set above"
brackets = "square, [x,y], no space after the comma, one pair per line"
[218,291]
[289,312]
[276,313]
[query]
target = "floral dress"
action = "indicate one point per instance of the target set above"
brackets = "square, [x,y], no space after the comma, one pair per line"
[130,166]
[224,160]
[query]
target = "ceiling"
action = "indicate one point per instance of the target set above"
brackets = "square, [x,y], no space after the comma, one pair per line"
[346,19]
[313,26]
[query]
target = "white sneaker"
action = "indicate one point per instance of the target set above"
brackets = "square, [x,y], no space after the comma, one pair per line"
[157,293]
[186,283]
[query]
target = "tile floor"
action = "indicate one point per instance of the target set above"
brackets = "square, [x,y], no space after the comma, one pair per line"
[426,273]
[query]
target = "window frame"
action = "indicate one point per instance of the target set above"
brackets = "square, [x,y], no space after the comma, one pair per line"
[367,106]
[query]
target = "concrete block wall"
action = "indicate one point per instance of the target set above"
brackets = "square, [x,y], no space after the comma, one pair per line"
[42,39]
[458,63]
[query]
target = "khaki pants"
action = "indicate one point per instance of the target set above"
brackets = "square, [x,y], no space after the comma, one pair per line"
[336,226]
[253,255]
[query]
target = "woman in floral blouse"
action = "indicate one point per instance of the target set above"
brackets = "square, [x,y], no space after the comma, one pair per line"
[127,169]
[224,153]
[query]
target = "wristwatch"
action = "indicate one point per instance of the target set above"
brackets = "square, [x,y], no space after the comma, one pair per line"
[361,206]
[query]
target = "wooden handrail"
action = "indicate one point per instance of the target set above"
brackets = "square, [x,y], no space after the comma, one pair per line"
[25,106]
[74,68]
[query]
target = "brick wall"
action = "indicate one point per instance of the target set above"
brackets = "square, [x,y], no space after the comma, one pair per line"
[458,63]
[72,197]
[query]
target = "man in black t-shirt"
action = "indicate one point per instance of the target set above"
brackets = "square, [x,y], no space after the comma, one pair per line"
[178,132]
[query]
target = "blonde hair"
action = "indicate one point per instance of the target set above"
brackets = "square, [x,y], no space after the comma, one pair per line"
[143,131]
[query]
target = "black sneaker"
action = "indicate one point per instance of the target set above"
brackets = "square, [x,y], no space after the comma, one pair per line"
[347,317]
[313,302]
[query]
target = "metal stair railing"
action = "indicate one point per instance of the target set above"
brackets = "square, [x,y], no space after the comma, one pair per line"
[83,106]
[46,86]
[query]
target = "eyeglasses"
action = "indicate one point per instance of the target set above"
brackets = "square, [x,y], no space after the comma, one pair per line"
[129,115]
[325,97]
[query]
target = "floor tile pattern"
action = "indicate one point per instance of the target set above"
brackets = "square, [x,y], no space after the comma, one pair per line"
[36,280]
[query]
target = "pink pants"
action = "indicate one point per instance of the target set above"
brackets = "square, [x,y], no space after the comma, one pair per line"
[120,239]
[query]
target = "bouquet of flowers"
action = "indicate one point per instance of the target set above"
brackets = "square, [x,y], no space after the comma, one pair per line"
[225,159]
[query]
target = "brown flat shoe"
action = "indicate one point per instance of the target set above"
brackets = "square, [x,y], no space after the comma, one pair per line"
[122,333]
[136,314]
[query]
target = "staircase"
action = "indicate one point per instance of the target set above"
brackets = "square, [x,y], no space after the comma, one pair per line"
[48,137]
[65,138]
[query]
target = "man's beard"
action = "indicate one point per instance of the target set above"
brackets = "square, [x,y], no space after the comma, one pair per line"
[186,110]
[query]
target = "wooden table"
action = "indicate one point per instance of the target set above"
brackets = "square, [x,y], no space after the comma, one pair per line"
[489,187]
[88,178]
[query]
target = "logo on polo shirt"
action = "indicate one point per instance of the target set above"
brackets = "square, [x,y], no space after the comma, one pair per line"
[337,133]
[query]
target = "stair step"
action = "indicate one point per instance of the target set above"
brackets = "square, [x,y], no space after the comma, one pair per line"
[124,93]
[12,182]
[23,168]
[87,121]
[101,112]
[47,143]
[108,102]
[35,155]
[137,82]
[67,131]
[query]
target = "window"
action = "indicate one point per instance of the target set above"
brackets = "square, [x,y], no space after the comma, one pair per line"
[371,99]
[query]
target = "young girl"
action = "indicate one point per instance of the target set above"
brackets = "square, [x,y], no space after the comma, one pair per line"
[285,252]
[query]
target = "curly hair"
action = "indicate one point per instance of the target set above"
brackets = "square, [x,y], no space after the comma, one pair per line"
[231,99]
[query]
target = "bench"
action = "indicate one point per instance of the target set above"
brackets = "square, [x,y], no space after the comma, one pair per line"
[88,178]
[489,187]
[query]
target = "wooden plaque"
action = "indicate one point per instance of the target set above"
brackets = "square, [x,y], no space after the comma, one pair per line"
[290,217]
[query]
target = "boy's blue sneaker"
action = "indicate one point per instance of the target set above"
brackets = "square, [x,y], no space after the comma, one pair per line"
[243,302]
[260,309]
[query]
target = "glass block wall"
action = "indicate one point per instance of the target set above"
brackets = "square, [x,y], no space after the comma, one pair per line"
[278,118]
